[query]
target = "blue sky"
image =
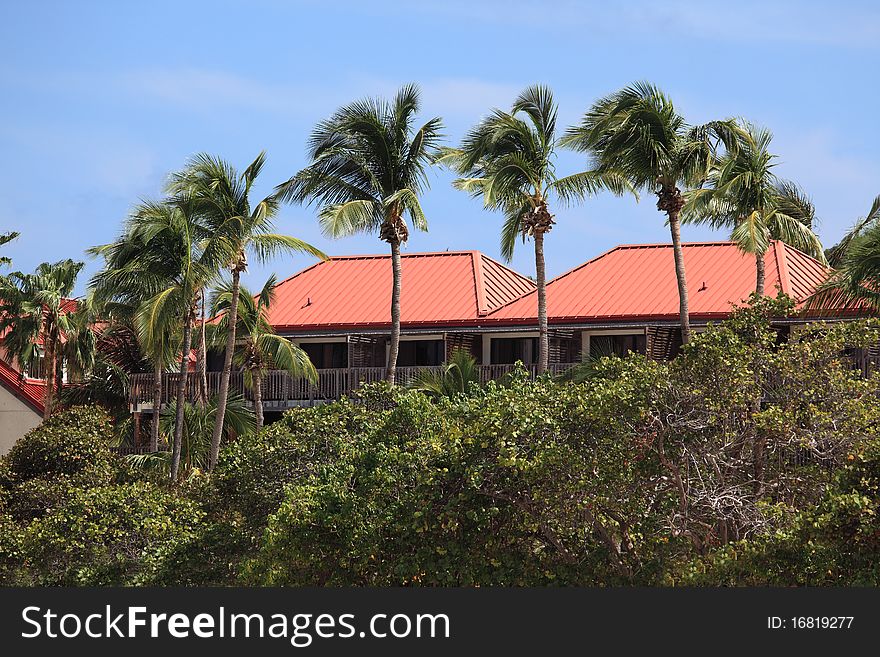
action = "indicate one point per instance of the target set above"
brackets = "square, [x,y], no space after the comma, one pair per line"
[101,100]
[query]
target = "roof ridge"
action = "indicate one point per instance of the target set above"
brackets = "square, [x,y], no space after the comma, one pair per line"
[789,247]
[479,284]
[415,254]
[365,256]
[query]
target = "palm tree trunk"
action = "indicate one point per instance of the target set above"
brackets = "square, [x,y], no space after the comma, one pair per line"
[49,374]
[223,393]
[258,397]
[391,368]
[541,275]
[157,406]
[59,374]
[683,308]
[202,358]
[759,267]
[181,396]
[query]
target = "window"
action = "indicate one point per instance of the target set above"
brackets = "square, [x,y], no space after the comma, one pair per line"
[34,369]
[418,353]
[506,351]
[326,355]
[620,345]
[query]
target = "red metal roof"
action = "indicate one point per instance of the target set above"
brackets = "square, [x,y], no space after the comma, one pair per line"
[447,288]
[31,391]
[637,282]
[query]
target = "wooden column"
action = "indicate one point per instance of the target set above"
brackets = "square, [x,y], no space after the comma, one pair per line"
[137,429]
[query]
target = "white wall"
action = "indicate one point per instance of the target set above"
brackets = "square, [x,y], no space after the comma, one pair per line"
[16,419]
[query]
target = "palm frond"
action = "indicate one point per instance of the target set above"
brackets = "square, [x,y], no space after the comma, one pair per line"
[792,200]
[578,186]
[795,233]
[837,253]
[511,229]
[198,427]
[267,245]
[455,377]
[349,218]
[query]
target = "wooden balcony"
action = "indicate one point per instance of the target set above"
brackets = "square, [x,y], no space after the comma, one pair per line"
[281,390]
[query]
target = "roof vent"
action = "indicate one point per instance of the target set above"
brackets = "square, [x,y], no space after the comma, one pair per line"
[308,302]
[703,288]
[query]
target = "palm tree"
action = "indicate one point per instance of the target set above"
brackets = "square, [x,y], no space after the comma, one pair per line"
[235,229]
[745,196]
[368,168]
[158,268]
[79,349]
[199,423]
[855,280]
[638,132]
[509,160]
[258,348]
[121,292]
[455,377]
[34,308]
[199,420]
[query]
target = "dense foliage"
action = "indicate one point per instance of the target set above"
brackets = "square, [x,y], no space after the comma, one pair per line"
[752,458]
[835,543]
[71,513]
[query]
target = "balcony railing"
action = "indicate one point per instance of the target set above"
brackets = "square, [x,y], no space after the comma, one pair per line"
[280,389]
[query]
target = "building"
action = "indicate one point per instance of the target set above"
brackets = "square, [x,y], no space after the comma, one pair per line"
[21,394]
[21,404]
[338,311]
[623,300]
[627,298]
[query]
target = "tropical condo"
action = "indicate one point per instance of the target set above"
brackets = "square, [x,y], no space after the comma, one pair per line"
[337,312]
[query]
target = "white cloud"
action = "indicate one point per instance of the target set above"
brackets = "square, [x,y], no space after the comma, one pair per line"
[209,91]
[794,21]
[204,90]
[791,21]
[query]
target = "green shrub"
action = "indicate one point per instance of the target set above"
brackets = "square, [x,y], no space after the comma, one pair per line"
[834,544]
[32,498]
[210,555]
[73,442]
[529,483]
[620,479]
[7,482]
[106,535]
[65,453]
[10,549]
[254,473]
[747,460]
